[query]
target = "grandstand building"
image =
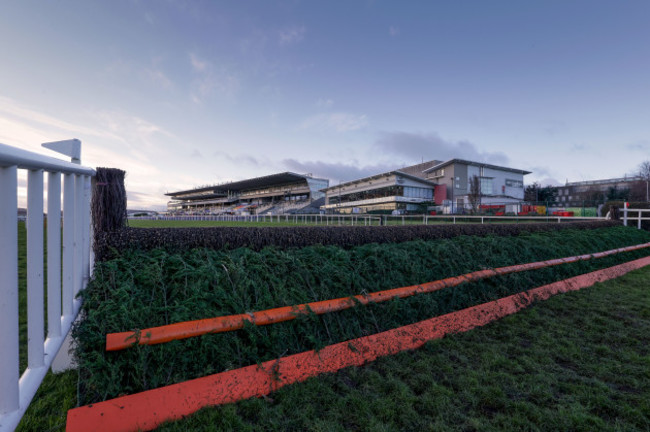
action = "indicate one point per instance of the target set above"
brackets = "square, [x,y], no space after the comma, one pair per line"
[273,194]
[404,189]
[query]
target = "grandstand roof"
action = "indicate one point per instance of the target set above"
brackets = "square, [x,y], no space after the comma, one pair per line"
[248,184]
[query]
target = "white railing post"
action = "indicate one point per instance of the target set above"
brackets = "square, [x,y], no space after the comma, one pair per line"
[54,254]
[87,231]
[35,301]
[68,244]
[9,372]
[624,215]
[78,233]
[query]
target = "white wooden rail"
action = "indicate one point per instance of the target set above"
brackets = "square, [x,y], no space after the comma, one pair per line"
[66,275]
[365,219]
[639,215]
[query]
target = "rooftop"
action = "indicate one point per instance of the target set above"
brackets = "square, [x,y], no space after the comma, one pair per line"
[480,164]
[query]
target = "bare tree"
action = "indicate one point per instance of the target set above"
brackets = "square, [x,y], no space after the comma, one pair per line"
[474,195]
[644,173]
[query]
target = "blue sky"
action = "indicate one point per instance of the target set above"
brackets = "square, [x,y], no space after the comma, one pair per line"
[182,94]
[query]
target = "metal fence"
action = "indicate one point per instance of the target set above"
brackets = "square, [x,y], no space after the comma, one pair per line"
[523,208]
[68,268]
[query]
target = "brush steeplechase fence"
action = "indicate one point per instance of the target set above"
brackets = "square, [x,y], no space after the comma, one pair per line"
[148,409]
[183,330]
[68,265]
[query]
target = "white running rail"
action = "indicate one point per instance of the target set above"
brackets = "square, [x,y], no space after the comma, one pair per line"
[66,275]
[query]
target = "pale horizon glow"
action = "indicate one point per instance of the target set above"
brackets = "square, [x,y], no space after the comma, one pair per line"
[186,94]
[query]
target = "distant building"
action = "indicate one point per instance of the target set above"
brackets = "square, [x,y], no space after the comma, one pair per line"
[277,193]
[434,182]
[575,193]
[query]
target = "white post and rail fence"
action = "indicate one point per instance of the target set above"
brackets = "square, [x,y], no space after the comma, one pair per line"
[68,265]
[640,215]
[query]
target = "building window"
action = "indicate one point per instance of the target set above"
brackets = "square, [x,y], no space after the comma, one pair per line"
[486,185]
[514,183]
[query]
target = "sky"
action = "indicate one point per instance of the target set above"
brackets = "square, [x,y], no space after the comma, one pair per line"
[182,94]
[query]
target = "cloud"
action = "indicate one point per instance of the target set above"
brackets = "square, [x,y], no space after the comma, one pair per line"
[432,146]
[149,18]
[158,77]
[147,74]
[109,138]
[239,160]
[339,122]
[642,145]
[211,80]
[580,148]
[393,31]
[542,175]
[143,200]
[539,171]
[291,35]
[40,124]
[196,154]
[337,172]
[550,181]
[324,103]
[198,64]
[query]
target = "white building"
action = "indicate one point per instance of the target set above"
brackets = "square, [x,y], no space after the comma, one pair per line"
[499,185]
[417,187]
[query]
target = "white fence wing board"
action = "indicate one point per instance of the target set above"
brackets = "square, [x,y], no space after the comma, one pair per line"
[16,391]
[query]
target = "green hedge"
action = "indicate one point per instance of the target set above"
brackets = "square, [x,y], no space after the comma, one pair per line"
[109,244]
[144,289]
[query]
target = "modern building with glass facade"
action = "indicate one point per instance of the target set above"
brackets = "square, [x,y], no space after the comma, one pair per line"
[498,184]
[405,189]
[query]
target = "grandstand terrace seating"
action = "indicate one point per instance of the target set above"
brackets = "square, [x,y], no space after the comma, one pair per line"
[278,193]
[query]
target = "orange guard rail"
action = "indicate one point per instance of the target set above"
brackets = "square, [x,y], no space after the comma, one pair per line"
[187,329]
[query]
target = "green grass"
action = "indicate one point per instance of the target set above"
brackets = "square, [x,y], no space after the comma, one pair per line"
[22,295]
[22,291]
[49,408]
[579,361]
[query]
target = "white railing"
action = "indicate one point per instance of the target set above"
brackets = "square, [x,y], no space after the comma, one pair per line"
[67,272]
[639,215]
[365,219]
